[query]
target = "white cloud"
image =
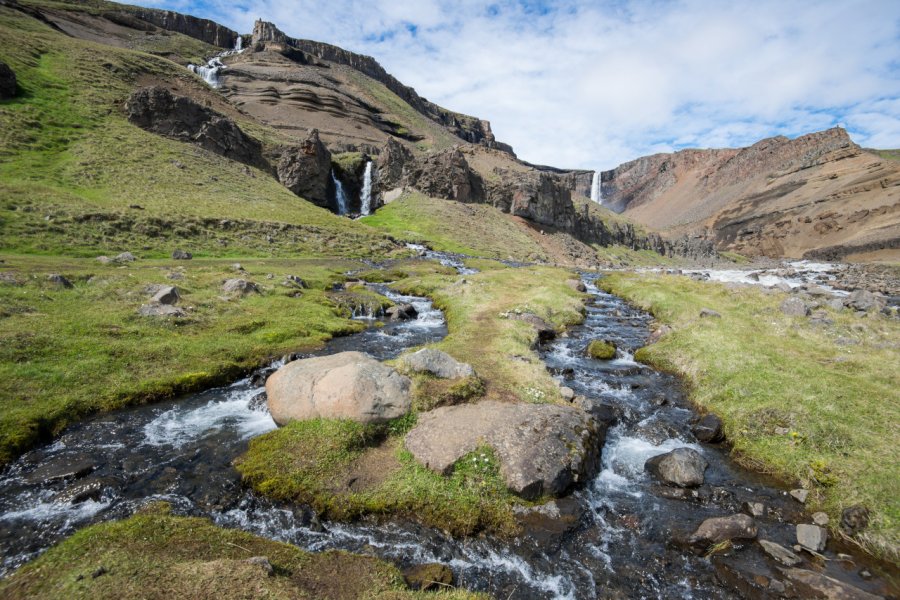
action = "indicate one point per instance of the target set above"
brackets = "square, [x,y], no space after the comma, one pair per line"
[591,84]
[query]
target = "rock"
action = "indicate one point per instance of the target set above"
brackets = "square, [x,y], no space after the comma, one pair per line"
[567,393]
[809,584]
[682,467]
[863,300]
[440,364]
[547,525]
[836,304]
[240,286]
[62,468]
[60,280]
[428,577]
[783,286]
[263,563]
[800,495]
[708,313]
[755,509]
[202,29]
[8,86]
[719,529]
[600,411]
[306,170]
[445,174]
[709,429]
[124,257]
[812,537]
[821,519]
[347,385]
[401,312]
[854,519]
[295,282]
[104,260]
[576,284]
[544,330]
[160,310]
[542,448]
[658,333]
[795,307]
[182,255]
[780,553]
[601,349]
[167,295]
[237,267]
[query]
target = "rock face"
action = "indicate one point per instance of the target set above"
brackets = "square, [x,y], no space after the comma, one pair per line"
[719,529]
[347,385]
[201,29]
[440,364]
[156,109]
[8,86]
[306,170]
[542,448]
[682,467]
[446,175]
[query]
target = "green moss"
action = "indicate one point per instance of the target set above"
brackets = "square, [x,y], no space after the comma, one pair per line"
[601,349]
[430,392]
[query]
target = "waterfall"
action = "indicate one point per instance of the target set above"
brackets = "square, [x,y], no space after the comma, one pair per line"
[365,197]
[340,196]
[210,71]
[596,192]
[239,44]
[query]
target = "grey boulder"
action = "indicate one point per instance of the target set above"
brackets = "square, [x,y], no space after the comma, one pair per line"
[160,310]
[240,287]
[812,537]
[795,307]
[682,467]
[438,363]
[167,295]
[60,280]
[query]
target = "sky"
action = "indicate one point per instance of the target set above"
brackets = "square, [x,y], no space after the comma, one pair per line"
[592,84]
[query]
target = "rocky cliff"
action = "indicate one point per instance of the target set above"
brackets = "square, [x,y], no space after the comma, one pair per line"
[201,29]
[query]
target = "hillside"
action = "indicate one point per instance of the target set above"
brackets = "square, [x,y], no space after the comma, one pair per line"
[818,196]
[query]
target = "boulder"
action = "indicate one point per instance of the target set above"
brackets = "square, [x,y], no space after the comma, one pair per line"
[167,295]
[401,312]
[795,307]
[780,553]
[429,577]
[160,310]
[294,282]
[542,448]
[658,333]
[576,284]
[754,509]
[682,467]
[709,429]
[567,393]
[708,313]
[863,300]
[812,537]
[306,170]
[8,86]
[347,385]
[601,349]
[854,519]
[544,330]
[60,280]
[124,257]
[720,529]
[440,364]
[240,286]
[809,584]
[182,255]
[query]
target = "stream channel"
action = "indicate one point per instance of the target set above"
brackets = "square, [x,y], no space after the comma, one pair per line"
[616,542]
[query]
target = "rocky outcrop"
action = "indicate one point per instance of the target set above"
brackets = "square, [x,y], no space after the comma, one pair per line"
[8,85]
[347,385]
[156,109]
[542,448]
[306,170]
[201,29]
[446,175]
[392,165]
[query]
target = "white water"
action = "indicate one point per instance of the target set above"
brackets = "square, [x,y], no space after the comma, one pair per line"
[340,196]
[365,197]
[804,272]
[596,191]
[210,71]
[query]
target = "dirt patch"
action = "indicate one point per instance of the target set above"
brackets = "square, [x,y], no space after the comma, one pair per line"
[370,470]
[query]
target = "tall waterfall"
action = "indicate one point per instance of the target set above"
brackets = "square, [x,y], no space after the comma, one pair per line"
[596,192]
[210,71]
[340,196]
[365,197]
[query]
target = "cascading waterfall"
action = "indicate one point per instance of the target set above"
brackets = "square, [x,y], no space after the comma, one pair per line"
[596,192]
[210,71]
[340,196]
[365,197]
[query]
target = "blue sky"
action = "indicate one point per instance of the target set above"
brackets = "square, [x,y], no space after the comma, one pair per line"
[587,84]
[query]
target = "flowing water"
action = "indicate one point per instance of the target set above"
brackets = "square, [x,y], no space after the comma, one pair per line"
[210,71]
[365,195]
[619,543]
[596,189]
[340,196]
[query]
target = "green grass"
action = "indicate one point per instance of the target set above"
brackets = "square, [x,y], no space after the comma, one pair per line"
[65,353]
[155,555]
[761,370]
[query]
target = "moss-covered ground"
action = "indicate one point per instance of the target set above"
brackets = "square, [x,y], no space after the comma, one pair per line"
[833,388]
[156,556]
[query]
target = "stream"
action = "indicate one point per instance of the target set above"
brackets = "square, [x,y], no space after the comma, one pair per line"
[619,544]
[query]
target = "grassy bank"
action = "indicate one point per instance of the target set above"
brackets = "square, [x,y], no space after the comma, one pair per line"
[154,555]
[65,353]
[833,387]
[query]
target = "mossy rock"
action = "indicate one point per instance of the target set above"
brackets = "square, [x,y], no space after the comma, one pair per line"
[601,349]
[642,355]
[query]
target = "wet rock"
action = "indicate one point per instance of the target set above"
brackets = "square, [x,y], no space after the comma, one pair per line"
[438,363]
[347,385]
[306,170]
[780,553]
[754,509]
[600,411]
[812,537]
[429,576]
[124,257]
[820,519]
[84,491]
[854,519]
[60,280]
[809,584]
[401,312]
[60,469]
[682,467]
[167,295]
[656,431]
[160,310]
[8,86]
[240,287]
[542,448]
[182,255]
[546,526]
[708,313]
[795,307]
[800,495]
[719,529]
[601,349]
[709,429]
[576,284]
[545,331]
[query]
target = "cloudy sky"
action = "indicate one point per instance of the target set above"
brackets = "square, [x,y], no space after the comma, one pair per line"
[576,83]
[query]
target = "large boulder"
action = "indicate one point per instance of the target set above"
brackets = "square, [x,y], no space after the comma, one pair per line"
[440,364]
[795,307]
[8,85]
[240,287]
[306,170]
[401,312]
[348,385]
[682,467]
[863,300]
[542,448]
